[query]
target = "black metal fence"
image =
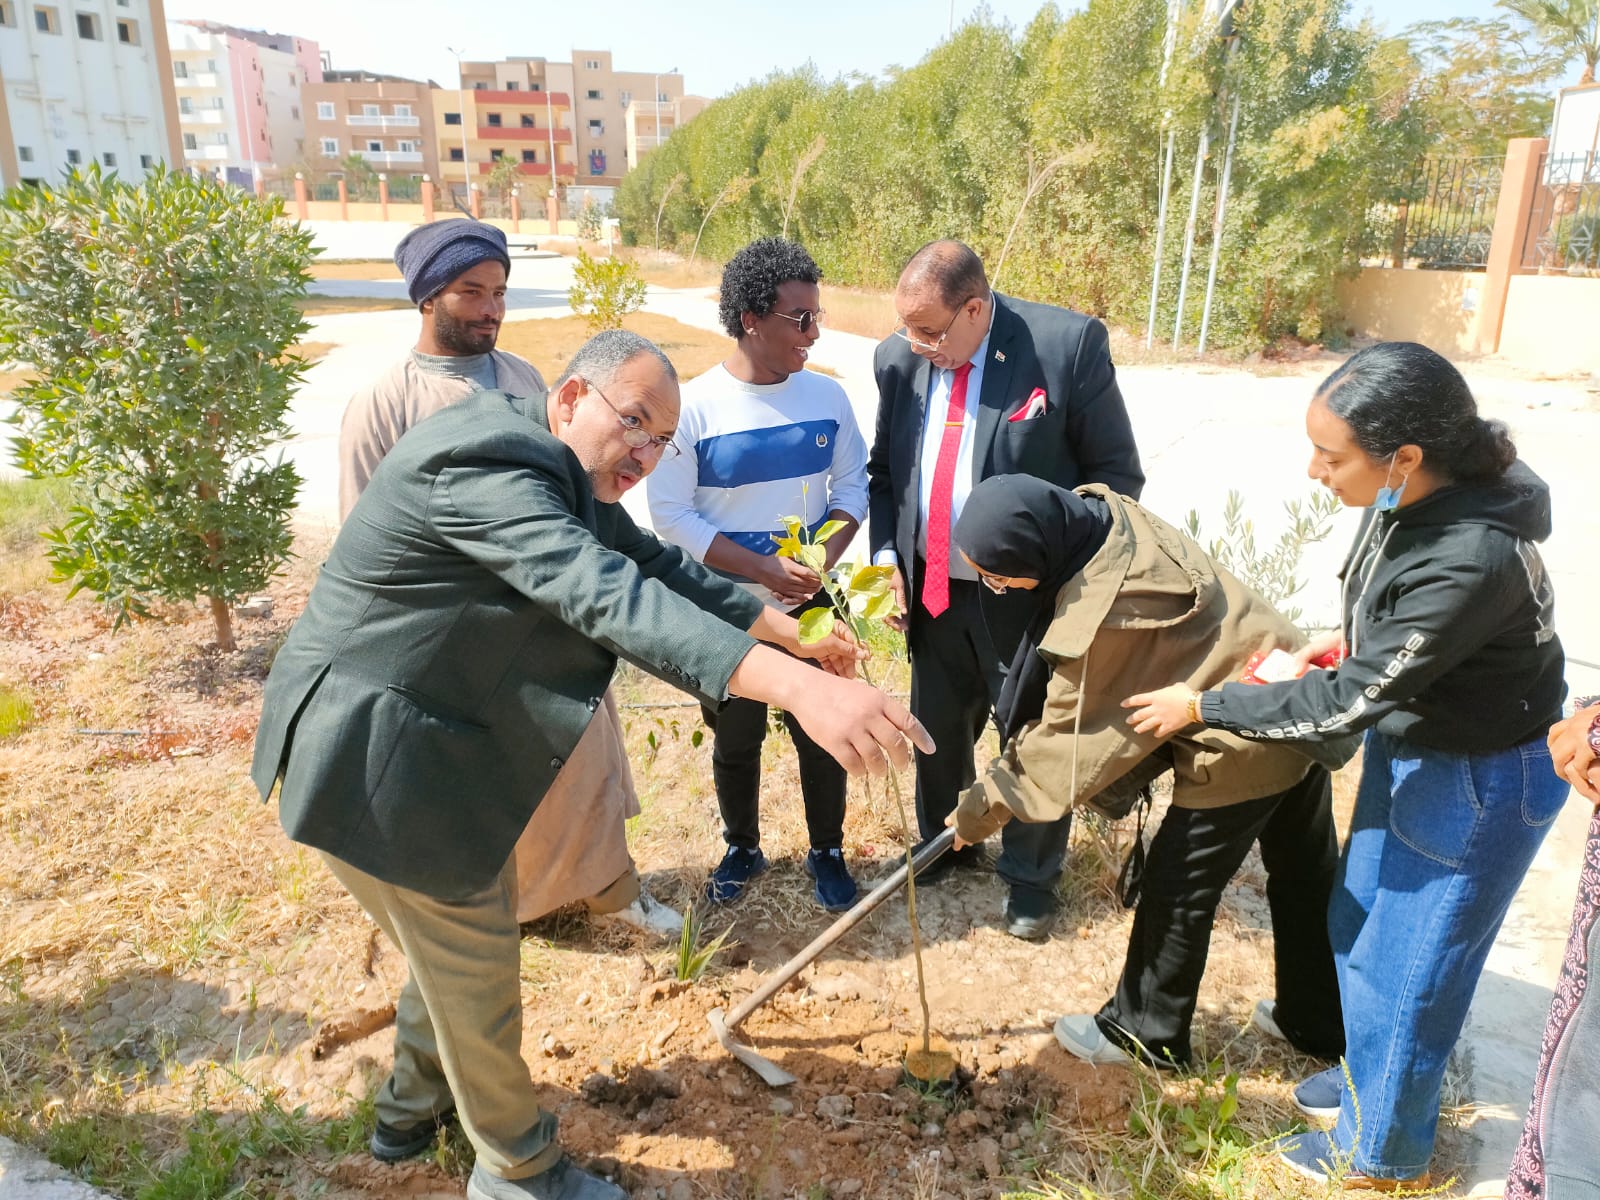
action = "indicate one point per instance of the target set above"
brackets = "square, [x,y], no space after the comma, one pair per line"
[1446,220]
[1564,226]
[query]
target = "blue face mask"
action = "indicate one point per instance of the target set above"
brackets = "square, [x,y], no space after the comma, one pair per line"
[1389,498]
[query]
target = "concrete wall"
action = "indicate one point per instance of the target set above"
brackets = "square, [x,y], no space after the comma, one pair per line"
[1552,323]
[1437,308]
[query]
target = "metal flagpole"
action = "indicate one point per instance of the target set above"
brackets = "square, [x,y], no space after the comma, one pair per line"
[1174,8]
[1216,228]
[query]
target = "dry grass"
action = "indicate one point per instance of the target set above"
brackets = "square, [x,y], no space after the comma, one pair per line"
[673,270]
[851,310]
[165,954]
[354,268]
[549,342]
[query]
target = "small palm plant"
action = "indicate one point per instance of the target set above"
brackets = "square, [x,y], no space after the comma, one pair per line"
[692,958]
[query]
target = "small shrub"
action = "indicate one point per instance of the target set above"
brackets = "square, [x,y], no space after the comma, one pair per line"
[604,291]
[1271,571]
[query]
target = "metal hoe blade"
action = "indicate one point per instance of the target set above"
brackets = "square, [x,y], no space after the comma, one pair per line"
[726,1027]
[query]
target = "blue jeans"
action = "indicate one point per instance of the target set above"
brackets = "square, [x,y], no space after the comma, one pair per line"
[1438,846]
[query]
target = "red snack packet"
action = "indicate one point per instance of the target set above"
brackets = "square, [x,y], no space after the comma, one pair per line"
[1275,666]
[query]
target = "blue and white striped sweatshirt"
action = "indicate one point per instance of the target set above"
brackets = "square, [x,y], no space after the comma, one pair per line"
[751,454]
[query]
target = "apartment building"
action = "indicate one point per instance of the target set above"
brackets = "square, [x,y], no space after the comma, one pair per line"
[84,82]
[577,114]
[240,97]
[384,119]
[518,109]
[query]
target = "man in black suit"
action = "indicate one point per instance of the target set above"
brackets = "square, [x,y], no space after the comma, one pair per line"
[975,384]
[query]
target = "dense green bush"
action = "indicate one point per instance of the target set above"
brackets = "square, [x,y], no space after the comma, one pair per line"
[157,317]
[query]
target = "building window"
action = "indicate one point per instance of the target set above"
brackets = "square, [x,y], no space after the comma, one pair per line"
[594,94]
[89,27]
[530,156]
[7,16]
[294,111]
[537,87]
[147,161]
[626,98]
[369,110]
[185,106]
[496,155]
[527,121]
[452,118]
[513,86]
[294,80]
[591,64]
[46,20]
[410,147]
[74,158]
[190,142]
[402,110]
[661,97]
[128,31]
[222,139]
[479,85]
[597,128]
[494,120]
[455,153]
[180,70]
[24,153]
[330,147]
[108,159]
[324,110]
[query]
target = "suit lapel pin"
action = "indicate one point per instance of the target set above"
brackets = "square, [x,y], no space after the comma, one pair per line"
[999,356]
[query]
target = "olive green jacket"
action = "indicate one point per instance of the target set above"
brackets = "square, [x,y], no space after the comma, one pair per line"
[1149,609]
[459,639]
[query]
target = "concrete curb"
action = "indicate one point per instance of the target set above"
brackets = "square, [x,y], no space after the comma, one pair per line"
[25,1175]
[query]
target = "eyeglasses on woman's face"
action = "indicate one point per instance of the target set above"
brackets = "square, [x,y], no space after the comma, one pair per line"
[633,431]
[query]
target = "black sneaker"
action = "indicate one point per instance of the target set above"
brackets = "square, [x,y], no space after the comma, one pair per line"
[835,890]
[1030,915]
[737,868]
[395,1143]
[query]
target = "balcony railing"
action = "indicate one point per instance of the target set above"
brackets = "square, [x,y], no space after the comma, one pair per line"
[213,153]
[391,158]
[202,116]
[383,120]
[524,133]
[526,99]
[566,170]
[198,79]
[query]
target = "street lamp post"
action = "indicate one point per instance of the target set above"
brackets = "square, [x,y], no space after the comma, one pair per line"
[461,98]
[550,129]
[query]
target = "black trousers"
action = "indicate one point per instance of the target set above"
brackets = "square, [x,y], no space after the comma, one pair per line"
[737,733]
[1192,857]
[955,680]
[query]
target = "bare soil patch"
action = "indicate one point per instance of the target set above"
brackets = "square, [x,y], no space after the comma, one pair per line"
[354,268]
[167,959]
[549,342]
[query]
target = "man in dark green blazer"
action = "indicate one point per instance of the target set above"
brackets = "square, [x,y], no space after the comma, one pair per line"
[456,644]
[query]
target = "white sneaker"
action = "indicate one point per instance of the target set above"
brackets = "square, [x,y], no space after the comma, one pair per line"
[648,915]
[1080,1035]
[1263,1020]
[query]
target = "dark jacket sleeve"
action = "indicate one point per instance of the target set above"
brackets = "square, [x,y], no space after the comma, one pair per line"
[1098,428]
[880,486]
[703,588]
[520,525]
[1442,615]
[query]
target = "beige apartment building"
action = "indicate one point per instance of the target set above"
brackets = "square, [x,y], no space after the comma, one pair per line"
[384,119]
[591,120]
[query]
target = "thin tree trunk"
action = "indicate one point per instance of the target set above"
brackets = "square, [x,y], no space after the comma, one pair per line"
[223,616]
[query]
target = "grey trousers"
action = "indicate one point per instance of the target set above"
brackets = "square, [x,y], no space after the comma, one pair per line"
[458,1021]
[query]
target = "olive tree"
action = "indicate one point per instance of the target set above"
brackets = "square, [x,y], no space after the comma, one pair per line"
[156,319]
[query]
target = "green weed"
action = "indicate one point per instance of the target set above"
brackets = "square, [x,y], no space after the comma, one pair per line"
[692,959]
[16,711]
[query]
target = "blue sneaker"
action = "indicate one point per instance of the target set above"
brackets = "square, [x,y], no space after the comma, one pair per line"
[1320,1095]
[737,868]
[835,890]
[1315,1156]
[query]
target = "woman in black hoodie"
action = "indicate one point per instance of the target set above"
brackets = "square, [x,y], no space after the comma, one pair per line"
[1452,667]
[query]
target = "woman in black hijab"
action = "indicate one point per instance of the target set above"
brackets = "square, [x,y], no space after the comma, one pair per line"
[1096,593]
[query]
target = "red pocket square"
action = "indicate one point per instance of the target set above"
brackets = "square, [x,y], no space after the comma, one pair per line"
[1034,406]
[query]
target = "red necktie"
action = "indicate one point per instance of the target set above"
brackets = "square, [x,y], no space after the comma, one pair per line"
[936,583]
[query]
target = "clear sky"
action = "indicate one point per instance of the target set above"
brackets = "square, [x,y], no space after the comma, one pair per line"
[717,46]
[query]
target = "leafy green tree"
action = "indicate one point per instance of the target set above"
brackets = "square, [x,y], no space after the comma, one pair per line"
[158,319]
[1480,83]
[502,177]
[360,178]
[1572,26]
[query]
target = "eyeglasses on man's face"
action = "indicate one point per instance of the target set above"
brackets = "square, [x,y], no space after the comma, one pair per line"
[633,431]
[903,332]
[807,319]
